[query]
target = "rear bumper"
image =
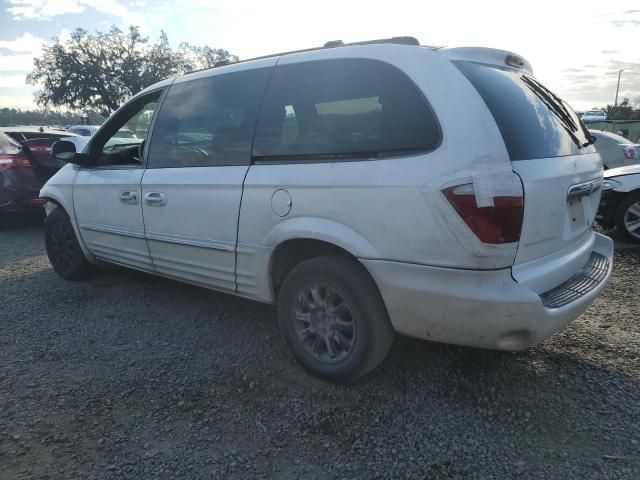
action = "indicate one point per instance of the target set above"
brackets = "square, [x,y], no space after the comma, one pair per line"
[18,186]
[487,309]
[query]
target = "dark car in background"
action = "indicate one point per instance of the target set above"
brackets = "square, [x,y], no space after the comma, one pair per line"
[40,140]
[19,184]
[26,164]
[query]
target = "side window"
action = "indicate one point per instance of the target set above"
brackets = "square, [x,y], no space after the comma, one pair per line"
[110,147]
[343,108]
[208,121]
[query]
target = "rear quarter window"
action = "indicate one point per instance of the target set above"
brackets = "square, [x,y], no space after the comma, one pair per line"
[533,121]
[343,108]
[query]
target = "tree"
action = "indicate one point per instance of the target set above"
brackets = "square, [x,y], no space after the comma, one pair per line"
[624,111]
[197,58]
[13,116]
[100,71]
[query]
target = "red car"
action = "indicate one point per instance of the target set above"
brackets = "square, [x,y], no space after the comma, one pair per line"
[25,166]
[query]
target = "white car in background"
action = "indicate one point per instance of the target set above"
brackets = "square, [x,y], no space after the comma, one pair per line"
[365,189]
[593,116]
[620,203]
[84,130]
[124,136]
[615,150]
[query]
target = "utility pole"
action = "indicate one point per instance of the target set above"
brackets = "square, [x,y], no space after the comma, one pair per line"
[615,104]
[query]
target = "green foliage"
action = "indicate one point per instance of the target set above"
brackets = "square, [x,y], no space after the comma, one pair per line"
[12,116]
[196,58]
[625,110]
[100,71]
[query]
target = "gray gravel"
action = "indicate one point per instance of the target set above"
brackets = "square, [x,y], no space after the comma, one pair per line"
[132,376]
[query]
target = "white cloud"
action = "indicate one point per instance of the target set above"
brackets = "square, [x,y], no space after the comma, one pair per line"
[20,52]
[43,9]
[26,43]
[12,80]
[24,102]
[47,9]
[117,9]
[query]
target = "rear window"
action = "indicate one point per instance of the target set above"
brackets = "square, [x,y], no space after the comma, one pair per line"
[8,145]
[343,108]
[534,122]
[17,136]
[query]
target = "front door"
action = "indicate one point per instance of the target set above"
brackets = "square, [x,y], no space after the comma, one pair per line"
[197,160]
[107,197]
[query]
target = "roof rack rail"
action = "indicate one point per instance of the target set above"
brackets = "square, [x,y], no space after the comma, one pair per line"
[395,40]
[406,40]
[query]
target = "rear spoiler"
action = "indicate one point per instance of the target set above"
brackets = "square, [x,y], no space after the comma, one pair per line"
[488,56]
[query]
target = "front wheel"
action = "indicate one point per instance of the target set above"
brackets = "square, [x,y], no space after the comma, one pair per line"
[333,318]
[628,217]
[63,249]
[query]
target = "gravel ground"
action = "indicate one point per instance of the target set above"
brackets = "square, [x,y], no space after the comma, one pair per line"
[132,376]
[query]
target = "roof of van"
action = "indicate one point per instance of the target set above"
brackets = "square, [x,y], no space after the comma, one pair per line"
[489,56]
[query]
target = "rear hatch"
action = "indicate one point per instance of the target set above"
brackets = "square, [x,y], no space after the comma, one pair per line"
[553,154]
[38,151]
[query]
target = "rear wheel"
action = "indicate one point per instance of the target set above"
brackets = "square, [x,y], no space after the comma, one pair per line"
[628,217]
[62,247]
[333,318]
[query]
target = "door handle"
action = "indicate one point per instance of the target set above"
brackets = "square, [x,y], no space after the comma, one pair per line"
[128,197]
[155,199]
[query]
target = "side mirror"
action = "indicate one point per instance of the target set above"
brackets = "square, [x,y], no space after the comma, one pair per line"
[65,151]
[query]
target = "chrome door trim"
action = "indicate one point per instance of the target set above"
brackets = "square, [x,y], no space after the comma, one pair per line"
[123,231]
[190,241]
[159,237]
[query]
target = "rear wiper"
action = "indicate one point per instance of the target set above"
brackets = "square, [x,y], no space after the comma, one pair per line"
[557,107]
[569,130]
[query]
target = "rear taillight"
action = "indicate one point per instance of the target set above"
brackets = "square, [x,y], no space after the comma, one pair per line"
[500,223]
[630,153]
[17,160]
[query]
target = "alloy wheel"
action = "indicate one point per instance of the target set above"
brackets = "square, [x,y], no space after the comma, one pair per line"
[324,323]
[632,220]
[63,247]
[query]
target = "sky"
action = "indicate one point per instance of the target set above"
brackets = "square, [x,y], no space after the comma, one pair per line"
[576,47]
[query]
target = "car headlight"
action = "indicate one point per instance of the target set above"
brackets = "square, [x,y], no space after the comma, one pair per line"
[610,184]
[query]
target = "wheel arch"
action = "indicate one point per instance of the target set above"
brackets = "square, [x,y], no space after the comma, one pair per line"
[56,196]
[304,240]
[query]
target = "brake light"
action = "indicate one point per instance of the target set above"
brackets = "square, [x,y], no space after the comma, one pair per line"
[500,223]
[13,161]
[630,153]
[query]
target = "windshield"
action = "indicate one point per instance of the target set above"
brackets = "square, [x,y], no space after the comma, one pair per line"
[534,122]
[124,133]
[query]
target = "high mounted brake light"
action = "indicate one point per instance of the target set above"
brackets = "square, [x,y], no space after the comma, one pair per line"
[498,224]
[514,61]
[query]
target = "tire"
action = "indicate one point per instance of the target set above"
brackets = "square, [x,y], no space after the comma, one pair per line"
[333,318]
[62,247]
[629,211]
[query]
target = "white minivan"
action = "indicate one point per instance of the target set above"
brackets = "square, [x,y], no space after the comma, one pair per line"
[366,189]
